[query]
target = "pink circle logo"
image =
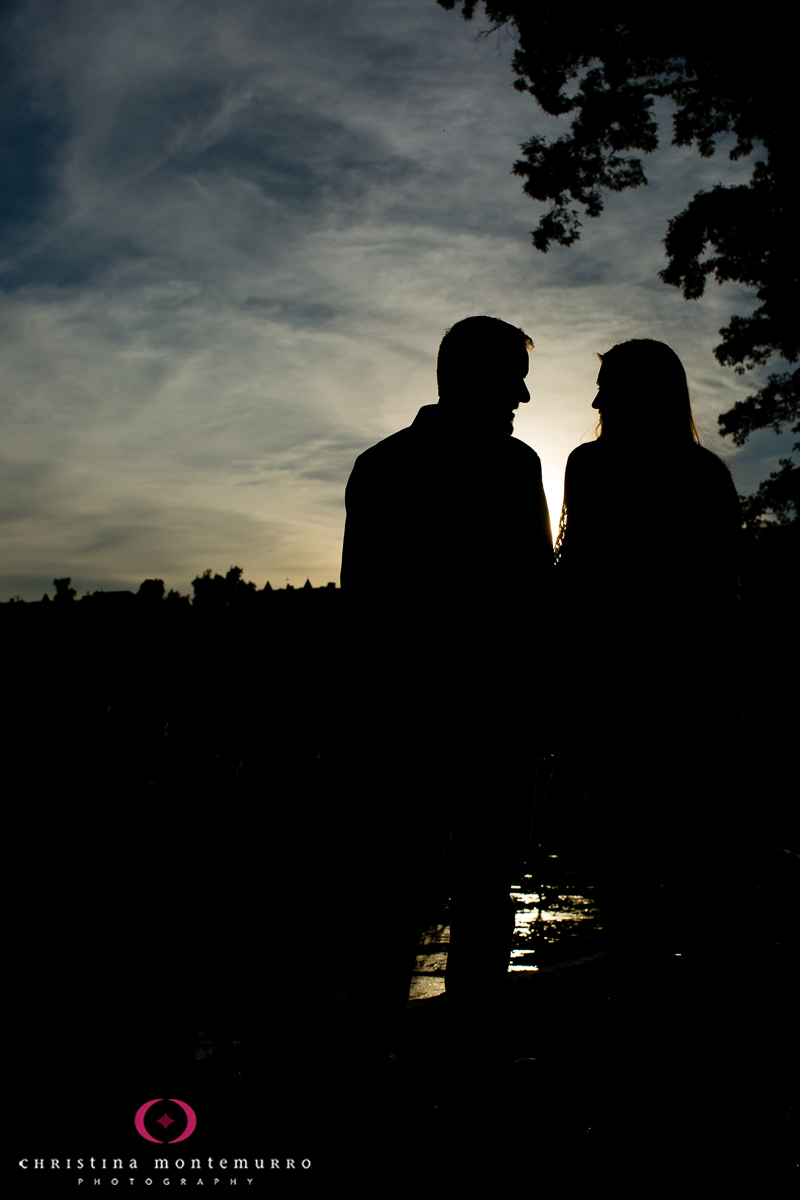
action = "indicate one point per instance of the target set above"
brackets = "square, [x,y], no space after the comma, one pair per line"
[165,1120]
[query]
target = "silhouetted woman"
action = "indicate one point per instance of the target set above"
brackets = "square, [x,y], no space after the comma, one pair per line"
[647,567]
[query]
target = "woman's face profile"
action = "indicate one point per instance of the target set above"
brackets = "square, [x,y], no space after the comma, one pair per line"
[614,392]
[597,400]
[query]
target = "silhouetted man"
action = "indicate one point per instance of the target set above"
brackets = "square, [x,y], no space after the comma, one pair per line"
[445,569]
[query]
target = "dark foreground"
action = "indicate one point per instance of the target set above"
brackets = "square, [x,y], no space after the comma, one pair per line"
[641,1067]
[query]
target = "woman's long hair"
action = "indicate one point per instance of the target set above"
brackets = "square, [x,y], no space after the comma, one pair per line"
[643,388]
[644,406]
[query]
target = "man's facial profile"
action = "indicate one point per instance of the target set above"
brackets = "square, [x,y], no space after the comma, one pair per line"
[495,387]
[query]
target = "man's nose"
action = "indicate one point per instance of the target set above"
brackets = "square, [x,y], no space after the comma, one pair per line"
[524,395]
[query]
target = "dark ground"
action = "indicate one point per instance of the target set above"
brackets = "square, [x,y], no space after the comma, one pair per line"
[182,915]
[641,1066]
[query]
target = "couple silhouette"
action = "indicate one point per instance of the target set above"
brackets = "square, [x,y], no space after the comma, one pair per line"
[478,658]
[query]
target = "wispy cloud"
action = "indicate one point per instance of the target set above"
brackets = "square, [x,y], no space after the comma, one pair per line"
[236,232]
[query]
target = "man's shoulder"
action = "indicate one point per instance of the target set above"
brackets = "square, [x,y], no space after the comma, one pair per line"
[380,457]
[522,453]
[425,430]
[428,433]
[387,445]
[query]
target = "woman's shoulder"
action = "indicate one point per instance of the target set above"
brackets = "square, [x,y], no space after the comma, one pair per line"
[708,459]
[595,464]
[584,454]
[711,467]
[586,448]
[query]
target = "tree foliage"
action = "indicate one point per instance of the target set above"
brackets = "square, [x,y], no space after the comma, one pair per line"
[220,591]
[606,68]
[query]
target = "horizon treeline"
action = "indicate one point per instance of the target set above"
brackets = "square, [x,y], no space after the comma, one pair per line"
[209,589]
[768,553]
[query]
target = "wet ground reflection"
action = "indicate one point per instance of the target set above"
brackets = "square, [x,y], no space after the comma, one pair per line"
[557,920]
[552,924]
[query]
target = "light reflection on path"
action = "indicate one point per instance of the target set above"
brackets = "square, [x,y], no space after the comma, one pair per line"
[554,922]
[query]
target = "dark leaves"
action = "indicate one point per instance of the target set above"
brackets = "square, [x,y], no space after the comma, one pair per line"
[606,68]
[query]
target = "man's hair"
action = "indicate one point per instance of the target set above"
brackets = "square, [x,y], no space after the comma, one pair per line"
[471,342]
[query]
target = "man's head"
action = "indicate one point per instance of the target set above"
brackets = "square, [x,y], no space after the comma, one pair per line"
[481,369]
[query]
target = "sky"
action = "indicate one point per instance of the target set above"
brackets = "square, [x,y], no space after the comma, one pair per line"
[233,235]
